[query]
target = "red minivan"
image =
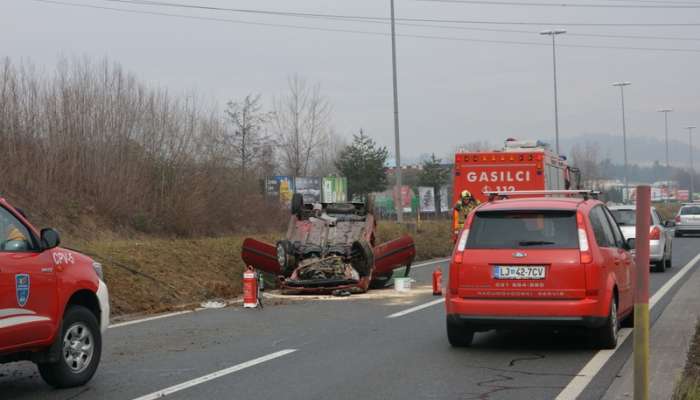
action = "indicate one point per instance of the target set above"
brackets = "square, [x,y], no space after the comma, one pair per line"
[546,261]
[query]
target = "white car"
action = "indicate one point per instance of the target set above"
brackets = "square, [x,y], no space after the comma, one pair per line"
[660,234]
[688,219]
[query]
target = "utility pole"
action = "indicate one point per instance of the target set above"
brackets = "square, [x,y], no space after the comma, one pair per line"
[692,169]
[553,33]
[668,165]
[399,206]
[622,85]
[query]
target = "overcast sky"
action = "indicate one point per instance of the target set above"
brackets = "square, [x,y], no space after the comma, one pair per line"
[450,92]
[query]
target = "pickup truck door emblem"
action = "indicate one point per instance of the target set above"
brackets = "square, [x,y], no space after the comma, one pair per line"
[22,286]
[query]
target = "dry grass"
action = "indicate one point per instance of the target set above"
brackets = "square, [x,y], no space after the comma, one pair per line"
[150,275]
[689,386]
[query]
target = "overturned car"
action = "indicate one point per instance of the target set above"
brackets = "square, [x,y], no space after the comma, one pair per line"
[330,248]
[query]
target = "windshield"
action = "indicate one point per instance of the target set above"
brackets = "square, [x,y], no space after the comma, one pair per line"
[517,229]
[692,210]
[627,217]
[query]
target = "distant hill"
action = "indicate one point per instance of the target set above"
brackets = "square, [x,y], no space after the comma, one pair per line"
[642,150]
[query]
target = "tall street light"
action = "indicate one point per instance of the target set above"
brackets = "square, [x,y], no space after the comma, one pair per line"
[692,170]
[668,165]
[553,33]
[622,85]
[399,208]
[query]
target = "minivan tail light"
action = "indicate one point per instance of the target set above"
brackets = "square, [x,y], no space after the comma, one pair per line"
[461,245]
[583,246]
[655,233]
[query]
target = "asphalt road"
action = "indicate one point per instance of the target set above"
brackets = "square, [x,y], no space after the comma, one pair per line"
[334,349]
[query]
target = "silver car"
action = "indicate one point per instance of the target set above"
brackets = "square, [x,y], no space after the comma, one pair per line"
[688,219]
[660,234]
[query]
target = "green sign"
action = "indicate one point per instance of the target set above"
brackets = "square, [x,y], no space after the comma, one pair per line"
[335,189]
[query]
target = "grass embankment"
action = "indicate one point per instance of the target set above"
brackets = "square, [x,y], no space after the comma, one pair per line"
[154,275]
[689,386]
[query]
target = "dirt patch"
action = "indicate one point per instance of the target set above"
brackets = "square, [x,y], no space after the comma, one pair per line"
[148,275]
[689,386]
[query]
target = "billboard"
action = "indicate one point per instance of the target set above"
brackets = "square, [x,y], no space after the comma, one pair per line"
[406,197]
[309,188]
[335,189]
[280,187]
[426,194]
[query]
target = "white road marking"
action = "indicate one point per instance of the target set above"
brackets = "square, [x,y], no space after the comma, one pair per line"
[138,321]
[417,308]
[577,385]
[439,260]
[218,374]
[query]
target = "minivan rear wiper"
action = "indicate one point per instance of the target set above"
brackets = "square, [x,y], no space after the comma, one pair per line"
[534,242]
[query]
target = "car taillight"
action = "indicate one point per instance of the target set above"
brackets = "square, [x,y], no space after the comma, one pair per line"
[655,233]
[461,244]
[584,248]
[678,218]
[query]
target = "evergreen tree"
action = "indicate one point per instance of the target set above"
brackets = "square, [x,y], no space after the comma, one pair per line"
[362,163]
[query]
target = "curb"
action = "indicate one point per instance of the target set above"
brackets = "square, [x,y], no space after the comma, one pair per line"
[670,339]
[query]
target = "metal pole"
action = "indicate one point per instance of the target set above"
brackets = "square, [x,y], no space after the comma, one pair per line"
[641,296]
[553,33]
[624,140]
[399,206]
[624,136]
[556,101]
[668,165]
[692,169]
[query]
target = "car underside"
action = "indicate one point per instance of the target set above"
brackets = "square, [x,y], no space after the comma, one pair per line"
[330,248]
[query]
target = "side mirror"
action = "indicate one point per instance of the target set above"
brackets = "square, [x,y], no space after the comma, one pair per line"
[49,238]
[631,244]
[669,223]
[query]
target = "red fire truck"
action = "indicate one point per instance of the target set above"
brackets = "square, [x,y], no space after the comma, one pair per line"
[520,165]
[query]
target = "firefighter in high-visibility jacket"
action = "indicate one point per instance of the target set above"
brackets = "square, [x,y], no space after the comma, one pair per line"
[464,206]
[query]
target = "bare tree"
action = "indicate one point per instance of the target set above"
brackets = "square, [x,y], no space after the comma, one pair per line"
[247,139]
[586,157]
[301,121]
[328,155]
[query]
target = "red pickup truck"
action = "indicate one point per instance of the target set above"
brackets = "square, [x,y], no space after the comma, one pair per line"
[54,305]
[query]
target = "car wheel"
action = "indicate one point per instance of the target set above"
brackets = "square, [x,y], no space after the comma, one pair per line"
[285,257]
[606,335]
[458,335]
[669,259]
[297,204]
[659,266]
[81,348]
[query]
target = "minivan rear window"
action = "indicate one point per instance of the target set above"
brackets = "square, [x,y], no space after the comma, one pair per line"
[517,229]
[692,210]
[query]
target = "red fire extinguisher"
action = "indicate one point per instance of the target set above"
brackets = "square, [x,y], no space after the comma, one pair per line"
[437,282]
[250,288]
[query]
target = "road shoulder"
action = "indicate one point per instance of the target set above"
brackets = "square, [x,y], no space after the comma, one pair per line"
[670,341]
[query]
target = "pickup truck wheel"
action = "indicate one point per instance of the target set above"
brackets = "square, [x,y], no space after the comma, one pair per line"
[81,348]
[458,335]
[606,335]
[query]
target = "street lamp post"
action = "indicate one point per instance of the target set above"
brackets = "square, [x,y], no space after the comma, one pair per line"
[668,165]
[553,33]
[399,209]
[692,169]
[622,85]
